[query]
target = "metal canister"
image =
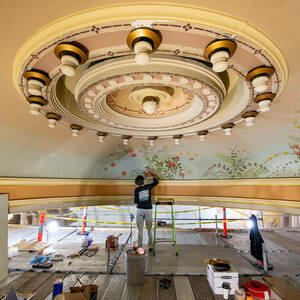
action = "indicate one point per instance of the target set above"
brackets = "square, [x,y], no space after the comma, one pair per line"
[57,287]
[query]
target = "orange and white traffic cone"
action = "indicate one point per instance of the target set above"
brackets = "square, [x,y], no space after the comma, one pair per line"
[41,227]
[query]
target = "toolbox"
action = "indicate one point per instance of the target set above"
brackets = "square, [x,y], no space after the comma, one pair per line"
[217,278]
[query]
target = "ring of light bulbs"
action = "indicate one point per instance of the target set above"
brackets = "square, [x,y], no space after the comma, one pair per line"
[217,52]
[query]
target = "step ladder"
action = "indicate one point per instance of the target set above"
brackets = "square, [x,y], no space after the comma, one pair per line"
[165,240]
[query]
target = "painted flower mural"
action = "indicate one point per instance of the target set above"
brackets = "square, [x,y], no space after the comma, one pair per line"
[163,162]
[235,165]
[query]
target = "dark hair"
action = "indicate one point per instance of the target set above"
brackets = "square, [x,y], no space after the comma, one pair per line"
[139,180]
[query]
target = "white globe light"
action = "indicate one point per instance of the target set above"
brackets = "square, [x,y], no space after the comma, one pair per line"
[69,65]
[260,84]
[264,105]
[125,141]
[149,107]
[219,60]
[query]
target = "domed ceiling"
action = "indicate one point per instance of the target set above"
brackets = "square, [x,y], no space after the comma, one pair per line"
[180,85]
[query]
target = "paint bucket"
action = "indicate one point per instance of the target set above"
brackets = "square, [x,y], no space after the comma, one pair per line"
[135,268]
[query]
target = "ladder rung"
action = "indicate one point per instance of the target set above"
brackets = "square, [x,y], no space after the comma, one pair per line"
[164,240]
[163,203]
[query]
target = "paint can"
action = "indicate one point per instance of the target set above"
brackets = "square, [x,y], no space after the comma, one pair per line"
[57,287]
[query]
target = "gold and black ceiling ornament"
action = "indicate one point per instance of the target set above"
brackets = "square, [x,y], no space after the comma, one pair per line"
[177,138]
[259,77]
[101,136]
[126,139]
[202,135]
[71,55]
[53,118]
[36,103]
[249,117]
[151,140]
[36,81]
[228,128]
[143,41]
[218,52]
[264,101]
[75,129]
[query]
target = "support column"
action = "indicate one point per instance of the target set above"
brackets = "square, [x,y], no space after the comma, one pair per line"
[3,236]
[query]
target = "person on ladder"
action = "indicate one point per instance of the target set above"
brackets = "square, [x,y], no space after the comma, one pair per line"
[142,199]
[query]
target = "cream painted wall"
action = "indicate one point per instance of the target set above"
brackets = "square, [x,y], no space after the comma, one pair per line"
[3,236]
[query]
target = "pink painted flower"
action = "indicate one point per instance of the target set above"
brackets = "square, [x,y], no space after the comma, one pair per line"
[296,147]
[133,155]
[140,151]
[149,169]
[182,174]
[191,158]
[105,169]
[176,157]
[124,173]
[112,164]
[130,150]
[298,153]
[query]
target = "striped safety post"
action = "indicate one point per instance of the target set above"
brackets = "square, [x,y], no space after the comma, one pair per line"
[225,234]
[41,227]
[84,218]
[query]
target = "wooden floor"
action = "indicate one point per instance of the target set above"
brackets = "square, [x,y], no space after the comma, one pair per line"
[112,287]
[283,252]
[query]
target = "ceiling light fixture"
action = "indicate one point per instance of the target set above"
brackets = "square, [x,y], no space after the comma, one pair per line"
[202,135]
[228,128]
[126,139]
[75,129]
[151,140]
[259,77]
[101,136]
[143,41]
[264,101]
[53,118]
[177,138]
[36,80]
[36,103]
[218,52]
[71,55]
[149,104]
[249,117]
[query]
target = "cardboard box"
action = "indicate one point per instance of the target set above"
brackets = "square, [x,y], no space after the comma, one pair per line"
[216,279]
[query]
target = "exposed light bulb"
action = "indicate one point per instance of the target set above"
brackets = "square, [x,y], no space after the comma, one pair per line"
[260,83]
[125,141]
[249,121]
[75,132]
[176,141]
[35,109]
[142,50]
[228,131]
[35,87]
[69,65]
[151,142]
[219,60]
[202,138]
[101,138]
[52,123]
[264,105]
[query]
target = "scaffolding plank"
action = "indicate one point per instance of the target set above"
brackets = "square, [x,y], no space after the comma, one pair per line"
[183,288]
[148,289]
[201,288]
[114,288]
[47,287]
[169,293]
[131,292]
[18,283]
[32,285]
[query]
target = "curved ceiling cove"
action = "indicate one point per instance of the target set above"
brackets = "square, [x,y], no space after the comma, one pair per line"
[150,79]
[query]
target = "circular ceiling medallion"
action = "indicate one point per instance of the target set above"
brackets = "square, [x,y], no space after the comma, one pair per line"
[196,78]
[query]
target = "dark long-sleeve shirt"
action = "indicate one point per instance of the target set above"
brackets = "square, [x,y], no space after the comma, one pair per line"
[142,195]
